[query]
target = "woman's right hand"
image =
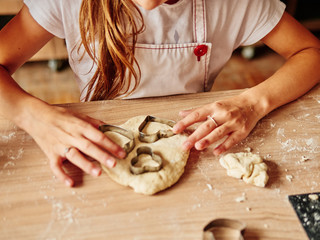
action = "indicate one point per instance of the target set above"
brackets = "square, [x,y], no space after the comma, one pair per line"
[55,129]
[65,135]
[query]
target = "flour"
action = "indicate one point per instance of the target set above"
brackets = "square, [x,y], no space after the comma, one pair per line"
[280,132]
[289,177]
[302,145]
[8,164]
[316,98]
[304,159]
[242,198]
[203,173]
[62,217]
[8,137]
[209,186]
[309,141]
[14,155]
[10,157]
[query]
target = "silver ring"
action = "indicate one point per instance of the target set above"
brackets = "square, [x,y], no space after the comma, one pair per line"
[212,119]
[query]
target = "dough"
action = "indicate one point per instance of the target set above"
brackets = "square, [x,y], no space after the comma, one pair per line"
[246,166]
[174,159]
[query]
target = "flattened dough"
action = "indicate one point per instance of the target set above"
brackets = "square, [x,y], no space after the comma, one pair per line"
[174,159]
[246,166]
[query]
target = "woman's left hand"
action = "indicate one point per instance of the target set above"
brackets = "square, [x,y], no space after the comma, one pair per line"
[233,118]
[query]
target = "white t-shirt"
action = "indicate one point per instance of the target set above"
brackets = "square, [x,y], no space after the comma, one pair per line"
[230,24]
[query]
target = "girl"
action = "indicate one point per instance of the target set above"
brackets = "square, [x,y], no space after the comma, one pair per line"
[142,48]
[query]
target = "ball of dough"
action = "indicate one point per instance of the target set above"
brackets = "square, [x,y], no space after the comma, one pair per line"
[246,166]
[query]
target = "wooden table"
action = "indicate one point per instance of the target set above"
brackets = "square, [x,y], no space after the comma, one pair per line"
[33,205]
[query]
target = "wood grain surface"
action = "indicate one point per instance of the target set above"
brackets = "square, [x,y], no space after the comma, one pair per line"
[34,205]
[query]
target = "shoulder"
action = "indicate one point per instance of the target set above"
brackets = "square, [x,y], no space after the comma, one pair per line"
[249,6]
[54,15]
[244,21]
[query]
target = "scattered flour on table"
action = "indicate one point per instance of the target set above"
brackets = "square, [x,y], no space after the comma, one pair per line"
[63,212]
[10,156]
[289,177]
[301,144]
[203,172]
[14,155]
[316,98]
[63,215]
[241,198]
[8,164]
[209,186]
[6,138]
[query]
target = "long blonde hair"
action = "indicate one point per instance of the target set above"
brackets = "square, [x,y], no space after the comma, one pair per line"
[114,24]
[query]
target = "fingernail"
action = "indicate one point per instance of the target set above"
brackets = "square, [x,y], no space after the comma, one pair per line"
[122,154]
[110,163]
[187,145]
[217,152]
[199,145]
[96,171]
[68,182]
[175,129]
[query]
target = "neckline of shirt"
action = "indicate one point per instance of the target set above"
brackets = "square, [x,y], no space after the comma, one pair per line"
[177,4]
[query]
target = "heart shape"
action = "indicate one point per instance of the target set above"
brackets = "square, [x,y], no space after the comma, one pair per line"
[150,138]
[129,146]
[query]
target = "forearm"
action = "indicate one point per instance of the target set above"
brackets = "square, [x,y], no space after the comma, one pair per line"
[298,75]
[15,103]
[20,39]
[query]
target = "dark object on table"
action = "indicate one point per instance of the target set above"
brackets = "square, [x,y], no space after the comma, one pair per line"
[307,207]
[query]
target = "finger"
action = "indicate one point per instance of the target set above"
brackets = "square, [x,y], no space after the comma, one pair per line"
[184,113]
[217,136]
[203,130]
[103,141]
[95,122]
[92,150]
[56,167]
[75,157]
[195,116]
[232,140]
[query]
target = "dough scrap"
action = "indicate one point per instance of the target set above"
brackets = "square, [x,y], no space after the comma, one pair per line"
[174,159]
[246,166]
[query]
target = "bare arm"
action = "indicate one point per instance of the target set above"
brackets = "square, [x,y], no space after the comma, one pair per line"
[53,128]
[238,115]
[20,39]
[301,70]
